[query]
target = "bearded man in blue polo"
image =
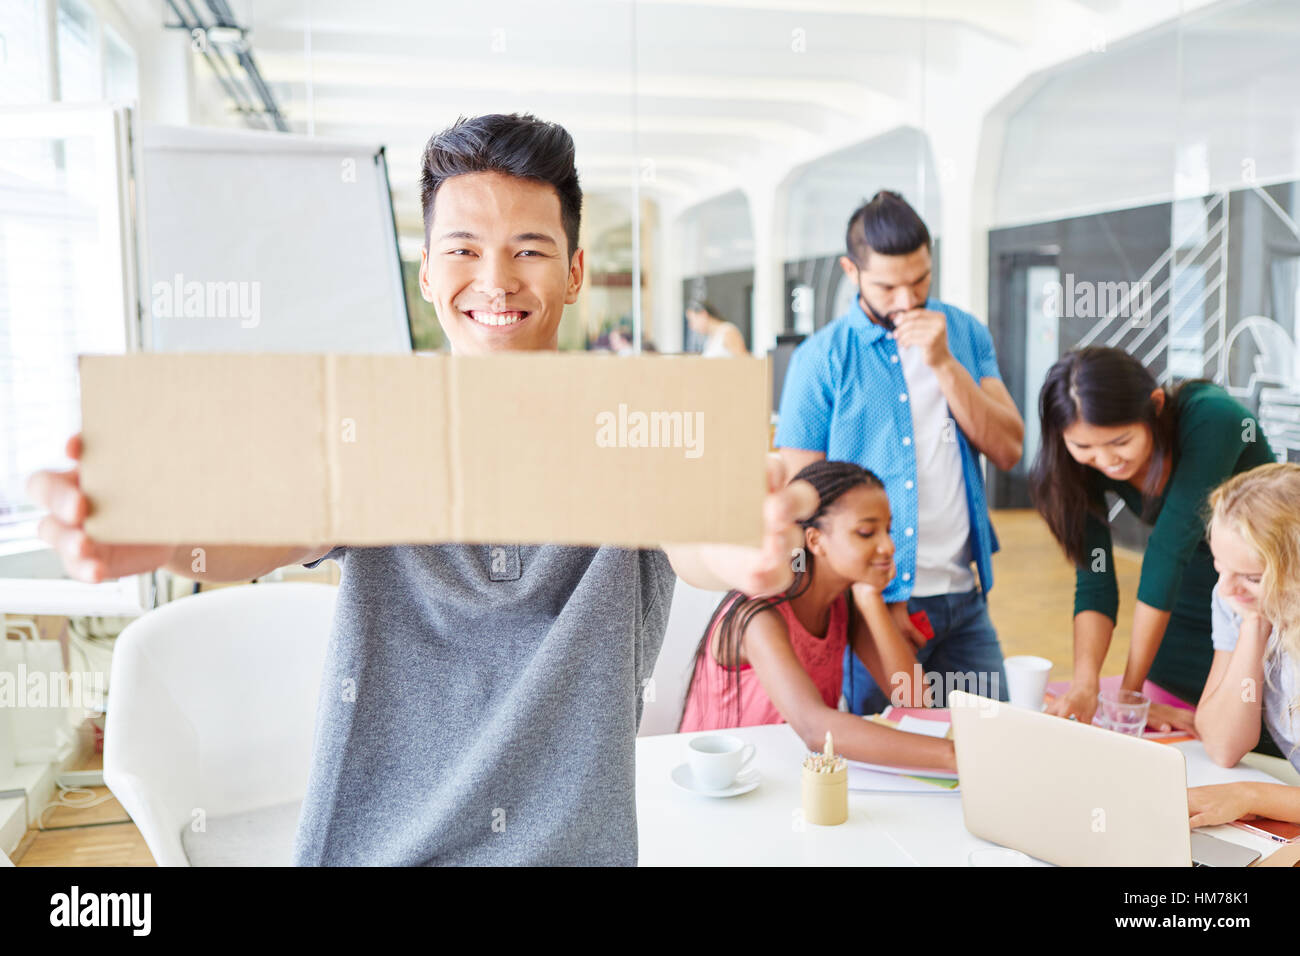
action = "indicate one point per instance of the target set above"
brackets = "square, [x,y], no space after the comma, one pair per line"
[909,388]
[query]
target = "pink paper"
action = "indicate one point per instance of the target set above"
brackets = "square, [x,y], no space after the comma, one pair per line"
[1157,694]
[920,713]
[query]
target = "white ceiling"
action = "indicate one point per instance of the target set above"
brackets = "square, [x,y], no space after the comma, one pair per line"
[1183,110]
[679,95]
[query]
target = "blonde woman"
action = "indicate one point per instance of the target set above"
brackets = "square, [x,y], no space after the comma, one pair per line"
[1255,538]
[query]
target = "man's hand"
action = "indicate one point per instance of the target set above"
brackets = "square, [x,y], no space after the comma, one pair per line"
[756,572]
[909,630]
[926,330]
[59,492]
[984,410]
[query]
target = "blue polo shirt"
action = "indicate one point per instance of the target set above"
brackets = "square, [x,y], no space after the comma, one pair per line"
[845,395]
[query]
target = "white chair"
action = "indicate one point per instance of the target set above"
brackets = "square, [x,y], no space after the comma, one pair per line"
[687,619]
[211,712]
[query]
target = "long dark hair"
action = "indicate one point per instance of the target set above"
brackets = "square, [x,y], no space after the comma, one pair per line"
[1104,387]
[831,479]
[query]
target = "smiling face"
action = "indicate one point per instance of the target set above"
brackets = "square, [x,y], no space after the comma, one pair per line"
[1241,571]
[892,285]
[854,539]
[1120,452]
[496,266]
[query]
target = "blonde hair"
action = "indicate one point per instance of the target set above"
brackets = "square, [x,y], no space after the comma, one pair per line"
[1263,507]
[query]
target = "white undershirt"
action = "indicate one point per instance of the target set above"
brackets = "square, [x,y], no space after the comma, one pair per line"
[943,554]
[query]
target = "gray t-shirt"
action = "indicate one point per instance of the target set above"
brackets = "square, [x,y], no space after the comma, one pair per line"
[480,703]
[1279,677]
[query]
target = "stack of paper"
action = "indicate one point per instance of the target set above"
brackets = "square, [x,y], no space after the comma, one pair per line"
[880,778]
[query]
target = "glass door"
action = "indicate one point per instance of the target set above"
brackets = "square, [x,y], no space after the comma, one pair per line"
[1025,321]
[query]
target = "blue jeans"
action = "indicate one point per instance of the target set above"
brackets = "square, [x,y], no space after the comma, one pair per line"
[964,654]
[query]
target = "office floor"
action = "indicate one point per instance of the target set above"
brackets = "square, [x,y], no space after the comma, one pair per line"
[1030,605]
[91,836]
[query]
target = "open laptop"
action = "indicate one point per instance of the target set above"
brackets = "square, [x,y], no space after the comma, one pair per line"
[1073,794]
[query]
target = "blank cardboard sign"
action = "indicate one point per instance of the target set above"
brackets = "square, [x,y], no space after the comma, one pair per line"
[408,449]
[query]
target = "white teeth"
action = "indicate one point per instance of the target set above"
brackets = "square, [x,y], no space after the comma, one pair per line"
[496,318]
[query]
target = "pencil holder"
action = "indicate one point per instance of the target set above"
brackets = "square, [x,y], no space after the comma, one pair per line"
[826,796]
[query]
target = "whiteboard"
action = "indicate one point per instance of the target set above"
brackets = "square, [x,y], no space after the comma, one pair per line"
[265,242]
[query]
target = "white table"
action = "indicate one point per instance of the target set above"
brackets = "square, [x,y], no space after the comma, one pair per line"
[765,827]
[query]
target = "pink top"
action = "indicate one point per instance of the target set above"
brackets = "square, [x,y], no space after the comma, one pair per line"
[712,703]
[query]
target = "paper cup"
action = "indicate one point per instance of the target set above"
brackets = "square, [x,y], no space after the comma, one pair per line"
[1027,680]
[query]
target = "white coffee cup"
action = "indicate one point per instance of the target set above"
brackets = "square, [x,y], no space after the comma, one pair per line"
[717,759]
[1027,680]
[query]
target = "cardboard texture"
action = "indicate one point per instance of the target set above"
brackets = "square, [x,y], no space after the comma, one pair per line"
[406,449]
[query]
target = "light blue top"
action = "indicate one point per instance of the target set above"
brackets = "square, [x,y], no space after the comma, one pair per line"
[1279,677]
[845,396]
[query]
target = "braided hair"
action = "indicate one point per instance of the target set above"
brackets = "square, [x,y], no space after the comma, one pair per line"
[831,479]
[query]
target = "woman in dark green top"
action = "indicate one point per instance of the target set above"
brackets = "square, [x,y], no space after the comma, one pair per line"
[1108,426]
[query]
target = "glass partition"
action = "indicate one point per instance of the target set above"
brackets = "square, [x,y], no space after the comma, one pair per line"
[1073,181]
[760,130]
[1234,236]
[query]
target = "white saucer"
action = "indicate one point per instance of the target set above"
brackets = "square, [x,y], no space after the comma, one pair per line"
[746,782]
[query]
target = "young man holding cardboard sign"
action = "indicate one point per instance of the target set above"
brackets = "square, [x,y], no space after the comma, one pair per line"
[479,702]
